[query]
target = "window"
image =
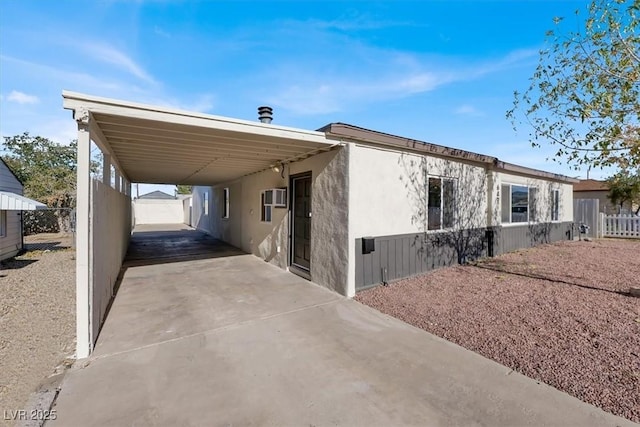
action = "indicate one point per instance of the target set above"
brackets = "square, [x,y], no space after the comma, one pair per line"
[555,205]
[225,203]
[266,200]
[533,204]
[440,203]
[206,203]
[3,223]
[519,203]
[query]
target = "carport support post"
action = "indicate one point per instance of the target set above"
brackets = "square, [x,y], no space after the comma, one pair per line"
[83,189]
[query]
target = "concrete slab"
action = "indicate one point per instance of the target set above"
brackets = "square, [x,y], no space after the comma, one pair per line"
[180,282]
[254,345]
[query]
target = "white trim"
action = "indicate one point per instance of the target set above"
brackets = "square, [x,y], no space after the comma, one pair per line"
[263,206]
[100,105]
[84,342]
[511,185]
[15,202]
[455,191]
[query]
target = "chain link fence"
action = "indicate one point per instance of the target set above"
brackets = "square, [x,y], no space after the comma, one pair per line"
[49,229]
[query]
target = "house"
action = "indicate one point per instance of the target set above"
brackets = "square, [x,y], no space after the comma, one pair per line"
[158,207]
[380,207]
[594,189]
[12,203]
[157,195]
[343,206]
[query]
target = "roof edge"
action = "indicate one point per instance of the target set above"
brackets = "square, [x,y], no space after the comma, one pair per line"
[344,130]
[12,172]
[73,100]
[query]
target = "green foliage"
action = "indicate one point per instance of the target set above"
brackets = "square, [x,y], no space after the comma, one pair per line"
[624,188]
[183,189]
[584,96]
[47,169]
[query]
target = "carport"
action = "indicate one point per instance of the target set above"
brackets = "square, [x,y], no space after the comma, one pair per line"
[151,144]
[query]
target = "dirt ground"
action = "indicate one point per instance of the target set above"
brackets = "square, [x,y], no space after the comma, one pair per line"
[37,317]
[558,313]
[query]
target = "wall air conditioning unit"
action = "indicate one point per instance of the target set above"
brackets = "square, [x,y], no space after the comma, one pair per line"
[276,197]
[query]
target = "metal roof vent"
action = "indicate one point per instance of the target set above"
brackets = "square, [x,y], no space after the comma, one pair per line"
[265,114]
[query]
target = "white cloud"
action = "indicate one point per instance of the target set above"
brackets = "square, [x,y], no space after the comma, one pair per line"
[110,55]
[162,33]
[309,88]
[72,79]
[355,22]
[105,53]
[22,98]
[468,110]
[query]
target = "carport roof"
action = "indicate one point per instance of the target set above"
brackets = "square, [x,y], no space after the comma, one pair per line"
[155,144]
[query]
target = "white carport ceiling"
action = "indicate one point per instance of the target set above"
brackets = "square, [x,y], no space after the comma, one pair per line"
[161,145]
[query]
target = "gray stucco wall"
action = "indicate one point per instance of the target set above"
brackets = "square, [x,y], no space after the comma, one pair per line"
[270,240]
[330,221]
[406,255]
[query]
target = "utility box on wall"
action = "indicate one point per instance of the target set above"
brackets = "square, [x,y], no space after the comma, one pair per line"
[368,245]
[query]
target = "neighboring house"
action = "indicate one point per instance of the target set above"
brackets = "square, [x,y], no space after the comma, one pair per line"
[158,207]
[379,207]
[594,189]
[12,203]
[157,195]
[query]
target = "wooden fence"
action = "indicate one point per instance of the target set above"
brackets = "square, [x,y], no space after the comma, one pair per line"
[620,226]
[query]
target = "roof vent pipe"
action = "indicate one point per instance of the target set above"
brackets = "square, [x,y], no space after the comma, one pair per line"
[265,114]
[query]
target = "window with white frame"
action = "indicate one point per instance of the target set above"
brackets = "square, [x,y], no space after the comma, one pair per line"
[225,202]
[440,203]
[518,203]
[555,205]
[266,202]
[533,204]
[3,223]
[206,203]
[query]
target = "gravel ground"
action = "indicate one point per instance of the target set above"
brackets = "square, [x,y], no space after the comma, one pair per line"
[556,313]
[37,317]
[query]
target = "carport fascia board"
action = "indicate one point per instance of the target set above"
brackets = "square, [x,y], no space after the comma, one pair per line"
[98,108]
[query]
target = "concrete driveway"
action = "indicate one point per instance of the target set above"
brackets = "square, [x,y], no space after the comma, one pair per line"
[220,338]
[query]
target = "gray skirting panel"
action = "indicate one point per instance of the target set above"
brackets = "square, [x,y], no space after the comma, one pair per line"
[405,255]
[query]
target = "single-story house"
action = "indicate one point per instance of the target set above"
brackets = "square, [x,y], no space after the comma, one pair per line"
[12,203]
[595,189]
[158,207]
[343,206]
[380,207]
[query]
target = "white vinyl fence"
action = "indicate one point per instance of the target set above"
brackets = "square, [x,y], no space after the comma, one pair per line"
[620,226]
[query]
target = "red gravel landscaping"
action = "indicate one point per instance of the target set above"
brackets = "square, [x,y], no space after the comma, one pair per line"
[557,313]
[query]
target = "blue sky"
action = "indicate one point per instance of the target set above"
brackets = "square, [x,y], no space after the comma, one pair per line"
[438,71]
